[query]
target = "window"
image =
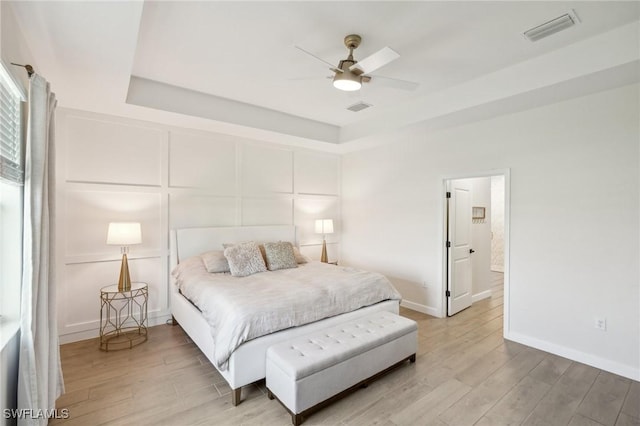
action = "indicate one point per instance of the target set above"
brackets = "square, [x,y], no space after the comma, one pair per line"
[10,131]
[11,200]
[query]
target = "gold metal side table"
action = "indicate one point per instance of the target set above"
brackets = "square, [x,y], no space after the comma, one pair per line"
[123,316]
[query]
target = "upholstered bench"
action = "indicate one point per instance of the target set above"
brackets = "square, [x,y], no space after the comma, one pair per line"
[308,372]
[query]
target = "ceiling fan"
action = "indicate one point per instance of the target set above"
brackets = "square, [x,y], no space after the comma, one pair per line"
[350,74]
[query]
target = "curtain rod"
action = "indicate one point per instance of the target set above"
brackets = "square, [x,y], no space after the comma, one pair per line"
[28,67]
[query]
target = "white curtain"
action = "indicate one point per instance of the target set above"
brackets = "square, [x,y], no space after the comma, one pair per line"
[40,374]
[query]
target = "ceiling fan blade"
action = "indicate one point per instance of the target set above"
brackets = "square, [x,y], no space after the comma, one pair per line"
[394,83]
[331,66]
[309,78]
[372,62]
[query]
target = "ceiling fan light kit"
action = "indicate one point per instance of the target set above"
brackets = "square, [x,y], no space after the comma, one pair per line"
[347,80]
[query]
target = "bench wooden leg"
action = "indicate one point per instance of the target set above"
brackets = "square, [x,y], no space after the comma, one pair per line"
[235,396]
[296,419]
[412,358]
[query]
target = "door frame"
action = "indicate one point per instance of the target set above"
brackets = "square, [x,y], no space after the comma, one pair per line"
[507,225]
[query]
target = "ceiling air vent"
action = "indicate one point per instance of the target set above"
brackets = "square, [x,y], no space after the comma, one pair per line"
[553,26]
[359,106]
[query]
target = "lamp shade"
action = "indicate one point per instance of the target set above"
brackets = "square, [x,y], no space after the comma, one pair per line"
[347,81]
[124,233]
[324,226]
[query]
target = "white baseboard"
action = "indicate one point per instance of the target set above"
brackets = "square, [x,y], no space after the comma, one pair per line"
[93,333]
[627,371]
[429,310]
[483,295]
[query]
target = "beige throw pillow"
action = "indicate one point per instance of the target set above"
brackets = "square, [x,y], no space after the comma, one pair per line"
[300,258]
[280,255]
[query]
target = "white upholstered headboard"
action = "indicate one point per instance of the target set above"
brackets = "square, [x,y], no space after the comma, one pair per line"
[189,242]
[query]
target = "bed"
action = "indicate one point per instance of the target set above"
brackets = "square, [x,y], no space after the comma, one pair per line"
[246,363]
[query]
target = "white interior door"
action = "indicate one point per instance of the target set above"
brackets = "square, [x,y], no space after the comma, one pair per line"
[459,246]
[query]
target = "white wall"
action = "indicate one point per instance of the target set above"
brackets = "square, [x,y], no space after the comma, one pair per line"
[114,169]
[574,212]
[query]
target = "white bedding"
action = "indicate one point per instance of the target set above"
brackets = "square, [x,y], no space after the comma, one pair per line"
[239,309]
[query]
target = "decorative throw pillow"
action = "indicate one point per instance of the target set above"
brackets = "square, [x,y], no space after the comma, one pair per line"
[260,246]
[244,259]
[280,255]
[215,261]
[300,258]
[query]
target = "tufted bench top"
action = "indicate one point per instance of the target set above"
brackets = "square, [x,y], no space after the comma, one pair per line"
[306,355]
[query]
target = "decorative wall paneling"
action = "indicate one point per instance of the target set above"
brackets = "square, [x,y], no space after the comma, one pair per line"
[116,169]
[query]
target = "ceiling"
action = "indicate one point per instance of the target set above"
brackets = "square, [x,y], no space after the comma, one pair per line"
[234,63]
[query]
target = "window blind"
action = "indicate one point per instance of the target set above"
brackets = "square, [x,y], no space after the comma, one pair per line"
[11,167]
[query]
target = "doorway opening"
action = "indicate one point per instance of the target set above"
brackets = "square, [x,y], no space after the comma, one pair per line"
[476,243]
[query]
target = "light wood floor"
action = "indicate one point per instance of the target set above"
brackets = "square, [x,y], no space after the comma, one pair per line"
[465,374]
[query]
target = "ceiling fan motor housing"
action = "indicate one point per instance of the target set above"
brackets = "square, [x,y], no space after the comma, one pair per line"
[346,63]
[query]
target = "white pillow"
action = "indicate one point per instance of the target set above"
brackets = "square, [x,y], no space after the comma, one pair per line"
[186,266]
[215,261]
[245,259]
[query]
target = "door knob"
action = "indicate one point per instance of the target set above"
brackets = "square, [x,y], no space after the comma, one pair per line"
[472,251]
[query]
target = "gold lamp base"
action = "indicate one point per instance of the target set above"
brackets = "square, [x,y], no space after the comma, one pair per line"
[323,257]
[124,283]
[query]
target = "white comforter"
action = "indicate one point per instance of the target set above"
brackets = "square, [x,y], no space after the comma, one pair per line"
[241,309]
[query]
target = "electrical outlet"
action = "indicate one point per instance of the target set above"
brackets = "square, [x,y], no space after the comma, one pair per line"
[601,324]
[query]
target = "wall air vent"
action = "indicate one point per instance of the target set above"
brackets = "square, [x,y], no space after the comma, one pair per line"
[553,26]
[359,106]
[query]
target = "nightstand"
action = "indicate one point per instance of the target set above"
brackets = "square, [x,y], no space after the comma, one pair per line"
[123,316]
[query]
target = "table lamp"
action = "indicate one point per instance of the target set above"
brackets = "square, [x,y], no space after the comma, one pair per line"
[324,226]
[124,234]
